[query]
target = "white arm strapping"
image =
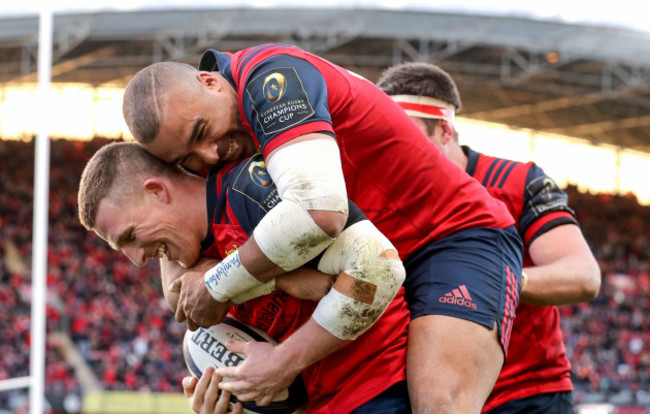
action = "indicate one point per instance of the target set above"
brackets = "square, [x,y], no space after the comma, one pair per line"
[229,278]
[310,173]
[363,253]
[308,176]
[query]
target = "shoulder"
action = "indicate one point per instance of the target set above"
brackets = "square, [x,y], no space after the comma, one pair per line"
[251,184]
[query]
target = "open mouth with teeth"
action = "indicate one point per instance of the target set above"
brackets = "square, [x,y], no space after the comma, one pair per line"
[162,251]
[233,147]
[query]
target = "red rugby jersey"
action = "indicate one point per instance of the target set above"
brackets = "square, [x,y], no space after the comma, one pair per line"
[537,361]
[401,181]
[238,196]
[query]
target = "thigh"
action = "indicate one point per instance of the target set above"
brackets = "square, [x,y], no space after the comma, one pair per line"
[462,291]
[548,403]
[451,359]
[395,400]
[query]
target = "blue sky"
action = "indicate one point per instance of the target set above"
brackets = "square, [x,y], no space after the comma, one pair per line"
[621,13]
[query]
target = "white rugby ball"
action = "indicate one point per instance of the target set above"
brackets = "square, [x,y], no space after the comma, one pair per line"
[206,348]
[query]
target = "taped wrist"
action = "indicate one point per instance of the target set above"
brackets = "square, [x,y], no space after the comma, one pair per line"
[255,292]
[229,278]
[289,237]
[369,275]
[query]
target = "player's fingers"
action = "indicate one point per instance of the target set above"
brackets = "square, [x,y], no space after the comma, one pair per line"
[238,408]
[200,389]
[224,398]
[189,383]
[227,372]
[236,346]
[175,286]
[212,394]
[265,400]
[247,395]
[239,388]
[180,313]
[191,325]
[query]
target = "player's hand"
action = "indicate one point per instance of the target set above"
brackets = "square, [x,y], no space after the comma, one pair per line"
[261,377]
[204,396]
[305,283]
[195,304]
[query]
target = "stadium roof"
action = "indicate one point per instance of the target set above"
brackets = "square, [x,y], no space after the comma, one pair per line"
[582,81]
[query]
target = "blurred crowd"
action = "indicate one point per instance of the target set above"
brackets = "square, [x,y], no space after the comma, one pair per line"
[116,317]
[113,311]
[608,339]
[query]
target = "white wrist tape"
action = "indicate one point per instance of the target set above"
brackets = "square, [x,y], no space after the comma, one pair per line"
[255,292]
[310,172]
[229,278]
[370,274]
[289,237]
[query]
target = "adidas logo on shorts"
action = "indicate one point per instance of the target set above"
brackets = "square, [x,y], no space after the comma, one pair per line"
[459,296]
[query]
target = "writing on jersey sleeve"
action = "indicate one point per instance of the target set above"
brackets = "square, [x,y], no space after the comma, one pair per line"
[543,198]
[281,93]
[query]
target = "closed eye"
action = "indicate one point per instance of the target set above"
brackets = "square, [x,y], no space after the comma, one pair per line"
[201,133]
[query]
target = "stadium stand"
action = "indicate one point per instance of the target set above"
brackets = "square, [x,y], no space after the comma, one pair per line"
[111,311]
[111,315]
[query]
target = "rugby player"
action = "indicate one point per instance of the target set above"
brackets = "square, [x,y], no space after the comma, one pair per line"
[559,267]
[327,134]
[148,209]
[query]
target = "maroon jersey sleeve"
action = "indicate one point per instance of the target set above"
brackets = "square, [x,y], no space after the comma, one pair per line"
[536,202]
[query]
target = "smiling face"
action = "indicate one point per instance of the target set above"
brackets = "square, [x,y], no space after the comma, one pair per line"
[201,126]
[149,227]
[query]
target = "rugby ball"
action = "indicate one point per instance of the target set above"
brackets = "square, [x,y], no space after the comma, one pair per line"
[206,347]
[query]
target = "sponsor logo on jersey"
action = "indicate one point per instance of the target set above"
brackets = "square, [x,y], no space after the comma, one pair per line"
[234,249]
[546,195]
[549,188]
[460,297]
[274,87]
[259,174]
[266,317]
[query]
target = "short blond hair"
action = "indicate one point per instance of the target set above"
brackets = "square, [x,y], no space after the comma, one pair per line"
[116,172]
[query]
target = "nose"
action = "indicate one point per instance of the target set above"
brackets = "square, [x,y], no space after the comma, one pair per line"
[136,255]
[208,155]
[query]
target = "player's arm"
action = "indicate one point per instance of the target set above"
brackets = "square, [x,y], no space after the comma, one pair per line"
[270,369]
[171,271]
[370,274]
[302,283]
[308,174]
[307,171]
[565,270]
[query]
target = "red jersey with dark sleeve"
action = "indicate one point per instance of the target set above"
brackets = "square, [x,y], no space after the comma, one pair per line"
[238,196]
[537,361]
[400,180]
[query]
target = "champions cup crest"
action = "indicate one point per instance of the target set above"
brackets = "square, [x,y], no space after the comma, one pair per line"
[259,175]
[274,87]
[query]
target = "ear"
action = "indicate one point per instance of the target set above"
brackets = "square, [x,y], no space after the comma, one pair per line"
[209,79]
[447,131]
[157,188]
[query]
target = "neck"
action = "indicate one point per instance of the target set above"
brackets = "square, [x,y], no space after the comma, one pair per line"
[457,155]
[194,202]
